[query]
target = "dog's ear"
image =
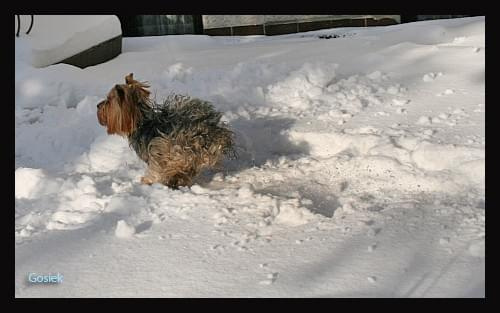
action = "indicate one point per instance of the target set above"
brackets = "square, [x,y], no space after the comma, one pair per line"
[120,92]
[129,79]
[121,115]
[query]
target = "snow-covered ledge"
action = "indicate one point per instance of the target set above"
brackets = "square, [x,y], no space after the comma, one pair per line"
[55,38]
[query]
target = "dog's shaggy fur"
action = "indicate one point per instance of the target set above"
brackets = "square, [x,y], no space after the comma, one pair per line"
[177,139]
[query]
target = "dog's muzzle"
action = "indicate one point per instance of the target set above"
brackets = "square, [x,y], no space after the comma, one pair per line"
[100,116]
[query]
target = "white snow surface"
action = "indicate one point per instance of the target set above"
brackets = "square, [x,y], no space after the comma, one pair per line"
[54,38]
[360,172]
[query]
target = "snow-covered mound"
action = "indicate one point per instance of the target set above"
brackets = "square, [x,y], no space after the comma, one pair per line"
[57,37]
[360,172]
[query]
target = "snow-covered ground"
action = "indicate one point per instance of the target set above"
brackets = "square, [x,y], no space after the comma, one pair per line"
[361,169]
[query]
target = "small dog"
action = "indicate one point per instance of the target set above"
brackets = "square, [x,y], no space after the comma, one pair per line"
[177,140]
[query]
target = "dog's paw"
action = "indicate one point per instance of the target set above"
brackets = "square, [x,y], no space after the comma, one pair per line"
[146,181]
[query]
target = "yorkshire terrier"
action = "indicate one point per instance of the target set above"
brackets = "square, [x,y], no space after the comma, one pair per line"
[177,139]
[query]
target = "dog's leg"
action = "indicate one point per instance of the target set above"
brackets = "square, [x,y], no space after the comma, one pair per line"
[168,164]
[165,177]
[146,181]
[178,180]
[150,177]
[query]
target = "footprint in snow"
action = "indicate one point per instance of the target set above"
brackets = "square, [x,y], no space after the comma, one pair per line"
[444,241]
[372,232]
[271,278]
[446,92]
[218,248]
[429,77]
[424,120]
[400,102]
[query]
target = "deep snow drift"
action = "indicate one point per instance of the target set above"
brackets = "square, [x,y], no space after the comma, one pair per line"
[57,37]
[360,171]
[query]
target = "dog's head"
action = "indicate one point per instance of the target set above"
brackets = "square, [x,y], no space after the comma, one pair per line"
[121,111]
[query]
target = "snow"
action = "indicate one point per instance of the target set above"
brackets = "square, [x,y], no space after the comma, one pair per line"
[360,172]
[123,230]
[57,37]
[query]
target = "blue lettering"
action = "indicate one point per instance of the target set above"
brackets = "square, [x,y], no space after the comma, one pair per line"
[31,280]
[50,279]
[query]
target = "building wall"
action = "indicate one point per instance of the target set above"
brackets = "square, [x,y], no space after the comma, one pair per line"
[436,17]
[218,21]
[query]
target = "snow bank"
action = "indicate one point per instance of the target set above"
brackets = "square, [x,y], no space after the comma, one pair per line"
[308,82]
[462,160]
[32,183]
[66,133]
[57,37]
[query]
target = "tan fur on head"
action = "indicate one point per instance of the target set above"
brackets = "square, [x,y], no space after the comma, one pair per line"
[120,112]
[140,87]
